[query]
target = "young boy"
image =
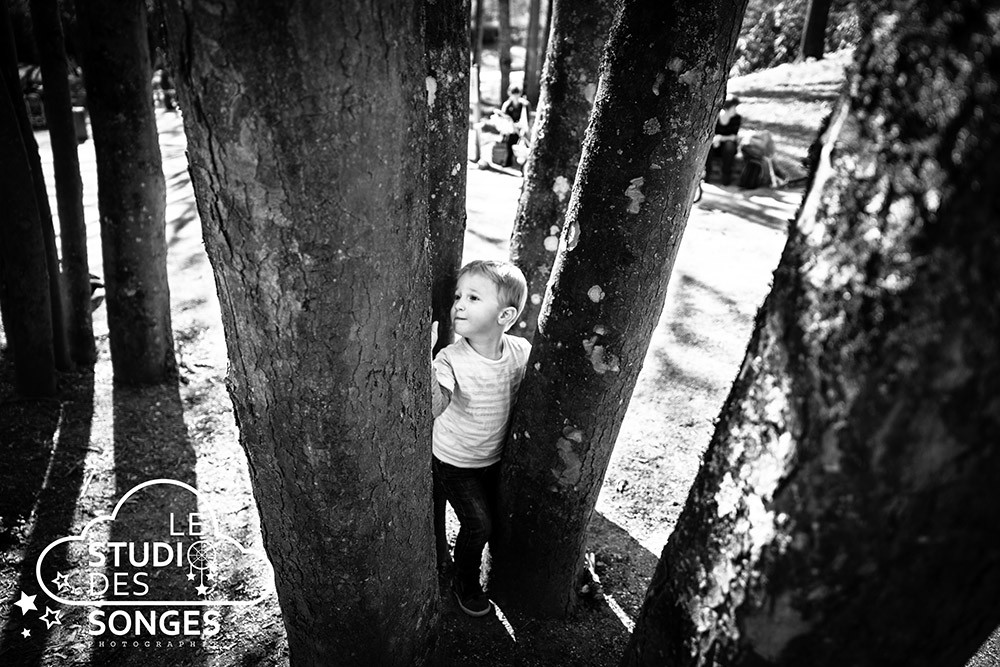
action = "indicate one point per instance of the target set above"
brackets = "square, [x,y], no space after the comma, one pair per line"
[477,378]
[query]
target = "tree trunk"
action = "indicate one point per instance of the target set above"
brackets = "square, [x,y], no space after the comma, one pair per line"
[477,59]
[580,28]
[814,29]
[531,54]
[544,48]
[24,280]
[503,46]
[663,81]
[313,196]
[130,187]
[447,153]
[845,512]
[69,186]
[447,150]
[57,320]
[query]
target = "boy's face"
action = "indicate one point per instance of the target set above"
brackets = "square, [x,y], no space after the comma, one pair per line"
[477,309]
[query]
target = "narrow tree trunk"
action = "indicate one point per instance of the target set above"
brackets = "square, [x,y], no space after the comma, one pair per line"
[447,150]
[24,280]
[314,205]
[57,320]
[814,29]
[544,48]
[580,29]
[477,58]
[130,187]
[69,186]
[846,510]
[664,78]
[503,46]
[531,54]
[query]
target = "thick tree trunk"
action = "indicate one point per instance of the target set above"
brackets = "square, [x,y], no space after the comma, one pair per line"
[503,46]
[130,187]
[57,320]
[24,280]
[313,197]
[663,80]
[531,54]
[447,150]
[846,510]
[69,186]
[814,29]
[580,29]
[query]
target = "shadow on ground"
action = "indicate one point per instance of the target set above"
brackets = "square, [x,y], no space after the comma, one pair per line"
[43,444]
[151,442]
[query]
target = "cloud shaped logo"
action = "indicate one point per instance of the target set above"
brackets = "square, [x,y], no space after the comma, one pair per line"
[160,546]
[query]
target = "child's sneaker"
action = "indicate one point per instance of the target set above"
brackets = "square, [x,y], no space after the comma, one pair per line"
[471,599]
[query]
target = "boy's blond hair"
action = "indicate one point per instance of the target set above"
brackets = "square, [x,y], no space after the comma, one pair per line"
[511,286]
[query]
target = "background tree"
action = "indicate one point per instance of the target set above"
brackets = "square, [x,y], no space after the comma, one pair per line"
[663,80]
[313,199]
[532,53]
[845,512]
[773,29]
[814,31]
[69,186]
[569,84]
[24,279]
[131,190]
[503,46]
[57,320]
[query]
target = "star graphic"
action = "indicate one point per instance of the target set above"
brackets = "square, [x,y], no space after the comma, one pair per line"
[26,603]
[61,581]
[190,576]
[54,620]
[26,633]
[202,590]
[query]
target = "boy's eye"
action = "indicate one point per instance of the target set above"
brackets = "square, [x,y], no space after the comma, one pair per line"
[473,298]
[458,296]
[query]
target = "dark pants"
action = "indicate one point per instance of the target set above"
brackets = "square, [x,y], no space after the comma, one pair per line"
[472,493]
[726,152]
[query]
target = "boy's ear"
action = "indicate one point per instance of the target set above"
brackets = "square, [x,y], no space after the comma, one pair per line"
[507,316]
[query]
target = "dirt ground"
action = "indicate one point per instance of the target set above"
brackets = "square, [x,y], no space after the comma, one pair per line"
[69,461]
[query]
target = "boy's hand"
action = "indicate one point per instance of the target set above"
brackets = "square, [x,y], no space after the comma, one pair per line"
[434,334]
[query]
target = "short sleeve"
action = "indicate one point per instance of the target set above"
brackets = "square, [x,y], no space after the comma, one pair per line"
[444,372]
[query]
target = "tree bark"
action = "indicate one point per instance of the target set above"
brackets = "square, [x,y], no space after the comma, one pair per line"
[69,186]
[663,80]
[477,58]
[531,53]
[57,320]
[313,197]
[845,512]
[447,150]
[814,30]
[131,189]
[24,280]
[580,29]
[544,48]
[503,46]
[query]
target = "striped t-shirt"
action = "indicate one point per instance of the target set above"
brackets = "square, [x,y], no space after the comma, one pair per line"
[470,432]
